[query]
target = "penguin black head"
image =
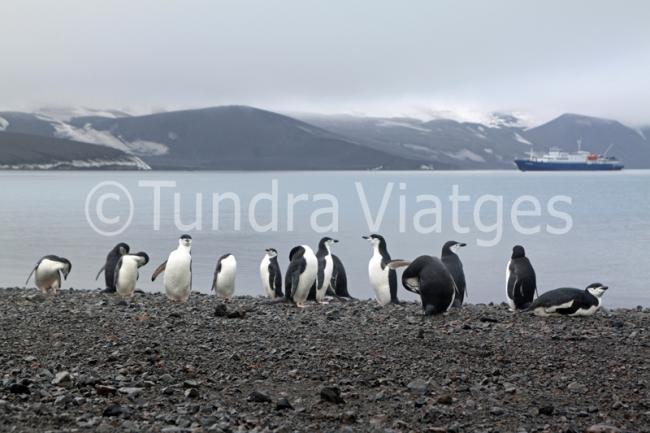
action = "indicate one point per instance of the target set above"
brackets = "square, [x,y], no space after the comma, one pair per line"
[122,248]
[271,252]
[327,241]
[452,246]
[145,257]
[518,252]
[67,267]
[596,289]
[185,240]
[375,239]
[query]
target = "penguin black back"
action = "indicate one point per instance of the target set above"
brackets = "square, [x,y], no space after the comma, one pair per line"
[430,278]
[112,258]
[521,281]
[296,267]
[339,284]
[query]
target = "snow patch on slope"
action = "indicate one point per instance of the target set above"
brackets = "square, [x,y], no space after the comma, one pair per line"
[4,124]
[395,123]
[89,135]
[131,162]
[521,139]
[466,154]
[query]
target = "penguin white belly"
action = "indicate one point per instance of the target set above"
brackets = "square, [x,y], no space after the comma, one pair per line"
[587,311]
[264,276]
[226,278]
[511,302]
[379,280]
[178,276]
[47,275]
[327,278]
[127,278]
[306,279]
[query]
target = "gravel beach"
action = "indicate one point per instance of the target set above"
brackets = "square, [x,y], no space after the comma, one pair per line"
[83,361]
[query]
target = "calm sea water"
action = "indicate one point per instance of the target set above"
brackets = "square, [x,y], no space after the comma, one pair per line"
[606,217]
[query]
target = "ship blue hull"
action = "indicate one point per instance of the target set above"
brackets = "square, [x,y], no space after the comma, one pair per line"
[527,165]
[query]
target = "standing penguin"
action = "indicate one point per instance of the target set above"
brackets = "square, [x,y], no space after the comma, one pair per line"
[49,272]
[301,274]
[569,301]
[325,270]
[521,283]
[383,279]
[126,273]
[455,266]
[178,271]
[108,269]
[271,275]
[223,282]
[428,277]
[339,283]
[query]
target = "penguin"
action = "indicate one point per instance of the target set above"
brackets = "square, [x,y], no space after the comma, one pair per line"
[108,269]
[455,266]
[569,301]
[178,271]
[339,283]
[223,282]
[271,275]
[383,279]
[126,273]
[428,277]
[49,272]
[325,269]
[301,274]
[521,283]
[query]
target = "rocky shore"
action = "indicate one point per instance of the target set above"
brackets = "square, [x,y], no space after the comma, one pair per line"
[83,361]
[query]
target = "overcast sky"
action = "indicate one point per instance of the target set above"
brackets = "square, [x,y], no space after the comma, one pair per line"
[374,57]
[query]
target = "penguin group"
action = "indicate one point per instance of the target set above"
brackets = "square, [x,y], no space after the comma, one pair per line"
[319,276]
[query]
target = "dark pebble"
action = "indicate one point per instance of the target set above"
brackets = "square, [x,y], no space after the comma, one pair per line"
[331,394]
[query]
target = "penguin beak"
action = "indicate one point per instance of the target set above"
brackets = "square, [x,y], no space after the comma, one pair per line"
[335,240]
[365,237]
[462,245]
[604,287]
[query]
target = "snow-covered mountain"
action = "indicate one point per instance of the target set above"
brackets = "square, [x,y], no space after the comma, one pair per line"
[34,152]
[247,138]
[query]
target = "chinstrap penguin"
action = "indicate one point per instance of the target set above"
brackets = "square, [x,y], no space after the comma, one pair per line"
[521,283]
[178,271]
[325,270]
[383,278]
[271,275]
[223,282]
[126,273]
[49,272]
[428,277]
[301,274]
[455,266]
[569,301]
[108,269]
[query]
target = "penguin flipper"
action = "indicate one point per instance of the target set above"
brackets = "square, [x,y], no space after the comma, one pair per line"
[392,286]
[35,267]
[100,272]
[396,264]
[30,274]
[159,270]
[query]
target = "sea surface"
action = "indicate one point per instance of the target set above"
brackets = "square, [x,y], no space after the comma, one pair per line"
[577,228]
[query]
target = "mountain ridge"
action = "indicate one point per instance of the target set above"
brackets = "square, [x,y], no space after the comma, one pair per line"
[248,138]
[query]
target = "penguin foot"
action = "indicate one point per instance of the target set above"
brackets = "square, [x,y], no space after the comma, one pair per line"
[301,305]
